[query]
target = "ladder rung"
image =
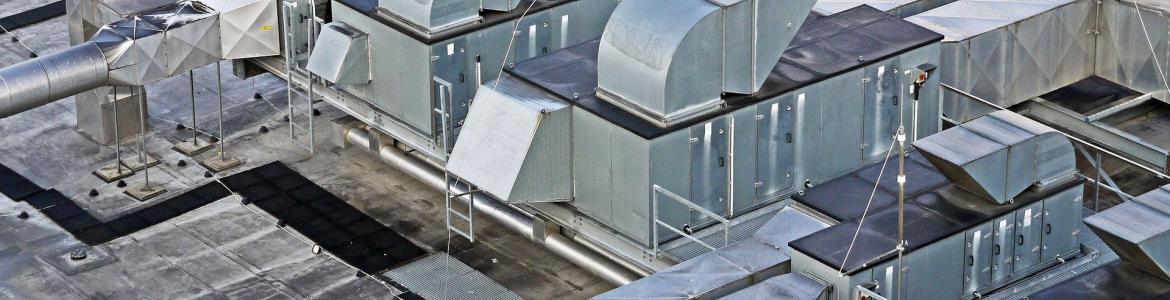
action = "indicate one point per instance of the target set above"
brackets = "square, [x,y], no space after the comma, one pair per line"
[459,214]
[461,232]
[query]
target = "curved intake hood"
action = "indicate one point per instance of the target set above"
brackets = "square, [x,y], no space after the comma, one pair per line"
[1000,155]
[669,59]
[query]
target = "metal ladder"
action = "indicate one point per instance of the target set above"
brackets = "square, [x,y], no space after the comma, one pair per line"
[444,140]
[301,134]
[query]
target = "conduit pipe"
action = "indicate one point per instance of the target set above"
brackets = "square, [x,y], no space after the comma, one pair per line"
[518,221]
[43,80]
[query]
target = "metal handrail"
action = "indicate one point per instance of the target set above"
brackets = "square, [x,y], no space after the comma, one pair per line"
[654,209]
[1075,139]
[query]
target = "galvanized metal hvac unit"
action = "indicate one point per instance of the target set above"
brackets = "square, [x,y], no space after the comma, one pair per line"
[430,55]
[1007,52]
[753,151]
[960,244]
[701,50]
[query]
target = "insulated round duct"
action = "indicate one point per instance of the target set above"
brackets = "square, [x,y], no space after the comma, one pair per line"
[46,79]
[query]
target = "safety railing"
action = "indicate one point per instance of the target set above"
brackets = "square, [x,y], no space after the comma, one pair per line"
[724,222]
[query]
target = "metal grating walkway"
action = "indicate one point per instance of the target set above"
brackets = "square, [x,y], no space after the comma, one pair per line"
[430,277]
[683,249]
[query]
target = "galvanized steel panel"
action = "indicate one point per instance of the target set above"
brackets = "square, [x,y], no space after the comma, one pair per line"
[514,141]
[345,58]
[1007,52]
[1138,232]
[787,286]
[775,148]
[1029,231]
[882,90]
[709,168]
[193,45]
[1123,53]
[978,260]
[250,28]
[1062,214]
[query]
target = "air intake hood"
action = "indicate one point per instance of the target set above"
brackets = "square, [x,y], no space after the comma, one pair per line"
[1000,155]
[666,60]
[1138,231]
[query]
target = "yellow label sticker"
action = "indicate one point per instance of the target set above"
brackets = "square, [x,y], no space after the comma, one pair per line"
[266,28]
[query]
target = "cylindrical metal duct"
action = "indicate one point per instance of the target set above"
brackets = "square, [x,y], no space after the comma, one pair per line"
[43,80]
[518,221]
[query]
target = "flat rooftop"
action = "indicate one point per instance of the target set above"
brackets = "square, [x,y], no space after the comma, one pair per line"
[225,249]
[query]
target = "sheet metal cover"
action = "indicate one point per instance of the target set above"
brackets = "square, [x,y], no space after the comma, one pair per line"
[1138,232]
[346,60]
[969,18]
[786,225]
[788,286]
[497,134]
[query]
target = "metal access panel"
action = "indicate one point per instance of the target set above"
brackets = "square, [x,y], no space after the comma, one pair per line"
[450,63]
[1029,232]
[882,107]
[709,156]
[933,272]
[534,37]
[743,161]
[1062,224]
[1002,249]
[839,150]
[775,148]
[978,259]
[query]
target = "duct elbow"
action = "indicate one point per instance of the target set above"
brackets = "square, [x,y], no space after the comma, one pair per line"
[46,79]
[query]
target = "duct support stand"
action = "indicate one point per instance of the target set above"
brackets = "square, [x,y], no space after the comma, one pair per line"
[136,164]
[113,172]
[221,161]
[193,146]
[145,191]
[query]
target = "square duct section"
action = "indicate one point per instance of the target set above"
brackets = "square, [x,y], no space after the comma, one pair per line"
[346,60]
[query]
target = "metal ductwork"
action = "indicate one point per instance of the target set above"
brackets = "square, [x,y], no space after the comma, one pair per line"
[669,59]
[1138,231]
[42,80]
[144,48]
[346,60]
[433,16]
[1000,155]
[536,229]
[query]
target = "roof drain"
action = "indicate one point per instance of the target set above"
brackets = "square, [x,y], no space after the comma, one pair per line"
[518,221]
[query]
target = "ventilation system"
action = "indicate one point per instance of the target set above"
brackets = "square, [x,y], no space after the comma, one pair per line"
[1139,231]
[666,60]
[1000,155]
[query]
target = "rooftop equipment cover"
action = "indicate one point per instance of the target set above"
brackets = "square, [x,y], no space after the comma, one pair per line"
[1139,231]
[1000,155]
